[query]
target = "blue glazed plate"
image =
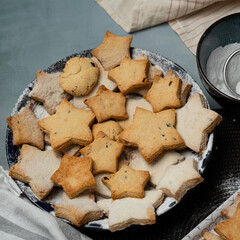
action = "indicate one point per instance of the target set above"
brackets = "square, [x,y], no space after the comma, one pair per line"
[161,63]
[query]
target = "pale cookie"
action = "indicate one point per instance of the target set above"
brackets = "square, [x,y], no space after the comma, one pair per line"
[130,75]
[73,150]
[180,178]
[107,105]
[127,182]
[164,93]
[36,167]
[79,210]
[25,128]
[125,212]
[230,228]
[133,102]
[78,102]
[157,167]
[104,152]
[101,189]
[74,175]
[109,128]
[152,133]
[229,211]
[68,126]
[195,122]
[48,91]
[79,76]
[211,236]
[112,51]
[185,89]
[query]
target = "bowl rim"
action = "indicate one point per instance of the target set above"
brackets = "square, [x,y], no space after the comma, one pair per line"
[209,29]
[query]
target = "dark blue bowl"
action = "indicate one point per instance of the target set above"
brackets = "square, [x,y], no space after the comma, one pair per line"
[223,32]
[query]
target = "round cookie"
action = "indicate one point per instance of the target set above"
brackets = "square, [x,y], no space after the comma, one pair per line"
[79,76]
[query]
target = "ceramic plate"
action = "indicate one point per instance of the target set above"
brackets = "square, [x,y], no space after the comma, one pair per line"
[161,63]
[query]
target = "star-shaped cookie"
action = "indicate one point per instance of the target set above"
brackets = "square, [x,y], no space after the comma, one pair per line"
[152,133]
[74,175]
[211,236]
[130,75]
[230,228]
[48,91]
[128,211]
[104,153]
[127,182]
[107,105]
[112,51]
[180,178]
[25,128]
[68,126]
[164,93]
[36,167]
[195,122]
[230,210]
[80,210]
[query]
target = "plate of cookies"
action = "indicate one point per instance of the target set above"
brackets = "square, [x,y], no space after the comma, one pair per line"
[110,137]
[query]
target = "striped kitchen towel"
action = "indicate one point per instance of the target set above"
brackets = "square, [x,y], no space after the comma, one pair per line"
[188,18]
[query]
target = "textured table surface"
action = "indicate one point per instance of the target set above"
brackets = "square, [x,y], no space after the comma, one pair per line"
[34,34]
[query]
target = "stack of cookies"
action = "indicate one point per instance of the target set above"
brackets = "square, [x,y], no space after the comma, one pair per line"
[115,126]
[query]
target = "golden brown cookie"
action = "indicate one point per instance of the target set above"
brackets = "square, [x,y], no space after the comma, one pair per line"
[79,76]
[152,133]
[180,178]
[68,126]
[25,128]
[112,51]
[80,210]
[195,122]
[104,153]
[109,128]
[48,91]
[107,105]
[211,236]
[230,228]
[130,75]
[36,167]
[164,93]
[74,175]
[127,182]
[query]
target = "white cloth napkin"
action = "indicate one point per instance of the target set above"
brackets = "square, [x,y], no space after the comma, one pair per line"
[193,16]
[20,219]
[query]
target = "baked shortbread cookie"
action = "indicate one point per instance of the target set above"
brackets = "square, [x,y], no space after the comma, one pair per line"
[73,150]
[130,75]
[229,211]
[78,102]
[101,188]
[107,105]
[127,182]
[79,76]
[25,128]
[36,167]
[104,152]
[157,167]
[125,212]
[185,89]
[211,236]
[109,128]
[79,210]
[47,140]
[112,51]
[48,91]
[195,122]
[152,133]
[133,102]
[74,175]
[68,126]
[230,228]
[164,93]
[180,178]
